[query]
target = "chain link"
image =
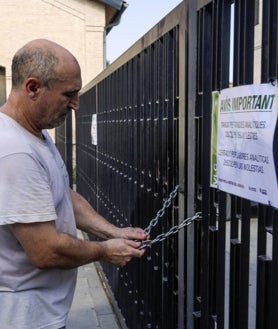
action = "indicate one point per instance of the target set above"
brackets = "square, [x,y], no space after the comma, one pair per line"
[173,230]
[161,211]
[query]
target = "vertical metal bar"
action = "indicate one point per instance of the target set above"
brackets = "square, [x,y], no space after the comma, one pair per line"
[266,23]
[234,284]
[64,144]
[221,263]
[167,243]
[244,42]
[274,274]
[263,269]
[243,302]
[263,315]
[266,293]
[243,74]
[206,99]
[221,80]
[188,138]
[199,178]
[159,189]
[269,63]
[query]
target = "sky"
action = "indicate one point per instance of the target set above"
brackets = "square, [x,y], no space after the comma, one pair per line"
[138,18]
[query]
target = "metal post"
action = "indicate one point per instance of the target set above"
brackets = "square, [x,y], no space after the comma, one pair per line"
[190,165]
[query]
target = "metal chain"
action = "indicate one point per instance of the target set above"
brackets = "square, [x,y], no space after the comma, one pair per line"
[173,229]
[161,211]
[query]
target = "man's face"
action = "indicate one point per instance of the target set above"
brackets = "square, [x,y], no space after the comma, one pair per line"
[59,99]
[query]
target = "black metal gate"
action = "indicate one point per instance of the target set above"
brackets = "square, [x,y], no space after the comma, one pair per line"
[153,114]
[64,143]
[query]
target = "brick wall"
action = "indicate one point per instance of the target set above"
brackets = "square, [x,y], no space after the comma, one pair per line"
[77,25]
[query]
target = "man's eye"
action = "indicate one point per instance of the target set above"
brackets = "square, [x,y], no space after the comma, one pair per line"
[69,95]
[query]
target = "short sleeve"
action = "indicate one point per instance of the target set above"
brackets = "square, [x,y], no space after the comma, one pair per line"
[25,195]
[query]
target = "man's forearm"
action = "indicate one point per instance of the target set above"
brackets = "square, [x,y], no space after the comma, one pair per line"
[71,253]
[88,220]
[47,248]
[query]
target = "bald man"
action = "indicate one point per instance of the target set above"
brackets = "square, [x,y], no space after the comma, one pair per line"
[39,213]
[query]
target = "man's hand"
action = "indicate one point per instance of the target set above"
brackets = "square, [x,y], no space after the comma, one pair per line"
[121,251]
[132,233]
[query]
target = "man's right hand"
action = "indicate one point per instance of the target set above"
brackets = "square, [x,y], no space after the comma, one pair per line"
[121,251]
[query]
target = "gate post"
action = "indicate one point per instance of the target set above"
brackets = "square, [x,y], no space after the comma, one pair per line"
[188,56]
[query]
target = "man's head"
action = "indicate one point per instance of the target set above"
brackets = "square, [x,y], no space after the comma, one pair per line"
[46,77]
[39,58]
[35,62]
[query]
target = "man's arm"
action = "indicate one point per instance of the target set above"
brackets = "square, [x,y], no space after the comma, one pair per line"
[47,248]
[88,220]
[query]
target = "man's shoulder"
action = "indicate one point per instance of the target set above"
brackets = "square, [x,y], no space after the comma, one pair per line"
[11,139]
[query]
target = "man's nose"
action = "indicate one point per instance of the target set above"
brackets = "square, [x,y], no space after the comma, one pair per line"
[74,103]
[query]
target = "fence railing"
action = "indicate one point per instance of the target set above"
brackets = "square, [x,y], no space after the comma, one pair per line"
[134,166]
[153,114]
[64,143]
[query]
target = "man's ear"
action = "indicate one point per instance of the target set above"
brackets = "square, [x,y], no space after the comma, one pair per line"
[32,86]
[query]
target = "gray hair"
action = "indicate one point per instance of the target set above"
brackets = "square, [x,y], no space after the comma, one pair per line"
[30,62]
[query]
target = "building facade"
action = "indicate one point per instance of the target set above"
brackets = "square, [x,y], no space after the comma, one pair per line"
[78,25]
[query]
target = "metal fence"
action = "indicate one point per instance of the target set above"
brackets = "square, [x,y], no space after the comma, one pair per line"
[153,108]
[64,143]
[133,167]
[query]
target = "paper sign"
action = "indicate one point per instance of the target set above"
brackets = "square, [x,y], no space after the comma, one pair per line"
[244,144]
[94,129]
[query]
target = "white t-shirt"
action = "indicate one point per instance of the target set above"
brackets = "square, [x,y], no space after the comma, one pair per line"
[34,187]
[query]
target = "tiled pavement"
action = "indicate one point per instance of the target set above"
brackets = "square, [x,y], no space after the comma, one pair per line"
[91,308]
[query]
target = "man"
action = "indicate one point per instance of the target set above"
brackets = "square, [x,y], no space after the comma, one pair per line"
[39,251]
